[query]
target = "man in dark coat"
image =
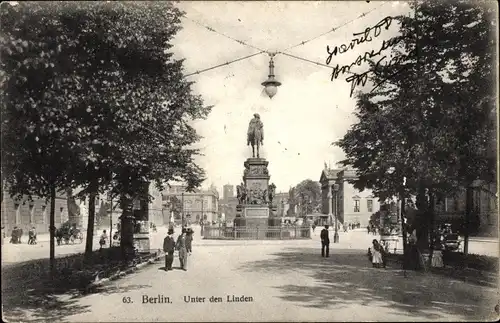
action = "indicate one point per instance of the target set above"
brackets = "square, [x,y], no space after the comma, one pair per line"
[189,240]
[181,246]
[325,242]
[169,248]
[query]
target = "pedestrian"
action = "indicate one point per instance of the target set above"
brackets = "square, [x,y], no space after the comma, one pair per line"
[169,249]
[32,236]
[377,254]
[102,239]
[313,227]
[181,247]
[189,240]
[325,242]
[437,256]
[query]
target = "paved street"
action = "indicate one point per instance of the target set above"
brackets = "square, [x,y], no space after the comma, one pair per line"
[283,281]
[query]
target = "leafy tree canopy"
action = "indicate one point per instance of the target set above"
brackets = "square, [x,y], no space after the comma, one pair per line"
[431,126]
[93,98]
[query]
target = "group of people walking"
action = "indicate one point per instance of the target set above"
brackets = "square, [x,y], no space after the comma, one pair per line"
[183,244]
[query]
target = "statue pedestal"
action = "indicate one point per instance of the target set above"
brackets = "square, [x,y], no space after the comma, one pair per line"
[256,178]
[255,213]
[257,218]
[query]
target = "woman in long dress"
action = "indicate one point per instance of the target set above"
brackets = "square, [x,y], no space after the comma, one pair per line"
[376,254]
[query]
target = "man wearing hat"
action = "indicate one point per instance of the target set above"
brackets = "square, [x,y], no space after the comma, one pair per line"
[181,246]
[169,248]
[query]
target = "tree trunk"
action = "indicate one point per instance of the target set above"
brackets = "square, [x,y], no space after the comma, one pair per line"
[89,243]
[431,225]
[468,210]
[422,205]
[403,231]
[127,229]
[52,229]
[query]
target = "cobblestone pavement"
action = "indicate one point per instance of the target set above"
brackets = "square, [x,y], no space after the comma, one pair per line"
[282,281]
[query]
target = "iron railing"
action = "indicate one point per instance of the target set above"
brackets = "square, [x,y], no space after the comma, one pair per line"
[256,233]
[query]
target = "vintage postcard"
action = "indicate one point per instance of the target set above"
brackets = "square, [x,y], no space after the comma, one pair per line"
[249,161]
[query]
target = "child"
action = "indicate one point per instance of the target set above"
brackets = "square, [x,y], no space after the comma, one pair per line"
[102,240]
[437,256]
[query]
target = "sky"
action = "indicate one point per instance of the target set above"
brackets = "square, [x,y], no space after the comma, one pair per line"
[309,111]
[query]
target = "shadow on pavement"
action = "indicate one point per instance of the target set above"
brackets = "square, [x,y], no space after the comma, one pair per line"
[347,278]
[28,294]
[43,304]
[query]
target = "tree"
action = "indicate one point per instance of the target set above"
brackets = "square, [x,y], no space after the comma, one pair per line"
[94,100]
[308,194]
[175,206]
[292,202]
[430,123]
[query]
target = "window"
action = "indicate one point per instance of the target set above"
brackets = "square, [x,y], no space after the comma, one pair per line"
[356,205]
[369,205]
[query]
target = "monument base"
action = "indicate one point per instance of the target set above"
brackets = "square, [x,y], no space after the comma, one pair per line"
[142,242]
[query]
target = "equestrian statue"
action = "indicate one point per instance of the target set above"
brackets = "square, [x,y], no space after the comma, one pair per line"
[255,134]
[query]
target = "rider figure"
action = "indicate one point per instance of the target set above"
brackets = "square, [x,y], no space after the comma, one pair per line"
[255,133]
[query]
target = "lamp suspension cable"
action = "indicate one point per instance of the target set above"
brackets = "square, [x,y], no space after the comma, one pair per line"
[224,35]
[267,51]
[333,29]
[224,64]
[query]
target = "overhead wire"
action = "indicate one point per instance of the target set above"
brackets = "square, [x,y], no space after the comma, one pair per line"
[224,64]
[333,29]
[304,59]
[224,35]
[312,62]
[283,52]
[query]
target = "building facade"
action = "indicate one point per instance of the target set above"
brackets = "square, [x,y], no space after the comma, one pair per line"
[484,209]
[26,214]
[197,205]
[353,205]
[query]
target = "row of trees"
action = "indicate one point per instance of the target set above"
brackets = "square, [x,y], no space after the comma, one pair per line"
[429,131]
[93,100]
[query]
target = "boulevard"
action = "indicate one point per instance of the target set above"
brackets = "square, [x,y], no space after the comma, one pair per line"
[15,253]
[276,281]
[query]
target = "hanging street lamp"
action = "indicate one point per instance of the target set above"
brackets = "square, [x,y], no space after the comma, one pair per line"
[271,84]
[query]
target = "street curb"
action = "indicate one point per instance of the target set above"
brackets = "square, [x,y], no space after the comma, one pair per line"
[120,274]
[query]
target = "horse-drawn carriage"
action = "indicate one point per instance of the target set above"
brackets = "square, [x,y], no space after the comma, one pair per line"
[67,233]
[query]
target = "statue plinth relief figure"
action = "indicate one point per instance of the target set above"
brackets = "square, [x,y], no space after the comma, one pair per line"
[241,193]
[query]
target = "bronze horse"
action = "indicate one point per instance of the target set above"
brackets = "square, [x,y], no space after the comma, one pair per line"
[255,134]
